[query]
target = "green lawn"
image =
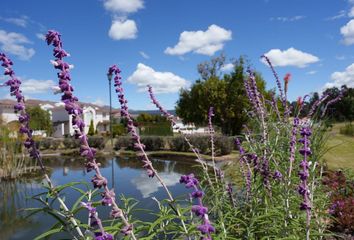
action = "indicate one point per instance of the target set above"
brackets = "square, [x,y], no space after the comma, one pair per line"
[341,149]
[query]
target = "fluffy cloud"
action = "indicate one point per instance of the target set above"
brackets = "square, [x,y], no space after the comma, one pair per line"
[342,78]
[290,57]
[31,86]
[12,43]
[227,67]
[123,29]
[348,33]
[162,82]
[203,42]
[123,6]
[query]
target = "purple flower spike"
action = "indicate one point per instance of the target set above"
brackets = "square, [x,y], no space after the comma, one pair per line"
[304,175]
[73,108]
[199,210]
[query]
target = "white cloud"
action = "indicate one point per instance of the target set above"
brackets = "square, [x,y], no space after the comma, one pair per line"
[12,43]
[227,67]
[123,6]
[290,57]
[348,33]
[123,29]
[311,72]
[32,86]
[341,57]
[40,36]
[21,21]
[351,12]
[162,82]
[144,55]
[287,19]
[99,102]
[148,186]
[340,14]
[342,78]
[203,42]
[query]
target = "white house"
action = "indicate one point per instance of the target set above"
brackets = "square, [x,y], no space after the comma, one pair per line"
[189,128]
[62,122]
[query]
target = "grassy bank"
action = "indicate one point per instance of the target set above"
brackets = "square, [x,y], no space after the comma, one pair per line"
[341,149]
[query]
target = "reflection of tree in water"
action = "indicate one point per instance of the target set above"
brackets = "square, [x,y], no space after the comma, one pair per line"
[181,167]
[12,195]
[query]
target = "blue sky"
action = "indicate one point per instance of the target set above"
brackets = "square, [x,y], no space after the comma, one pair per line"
[161,42]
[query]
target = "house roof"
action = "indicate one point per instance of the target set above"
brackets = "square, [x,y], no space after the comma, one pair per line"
[9,103]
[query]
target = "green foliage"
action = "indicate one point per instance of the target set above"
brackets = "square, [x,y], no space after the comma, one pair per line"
[70,143]
[123,142]
[156,129]
[118,130]
[40,119]
[226,94]
[91,130]
[153,143]
[96,142]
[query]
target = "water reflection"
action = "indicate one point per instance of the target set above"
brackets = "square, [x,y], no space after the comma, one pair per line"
[125,174]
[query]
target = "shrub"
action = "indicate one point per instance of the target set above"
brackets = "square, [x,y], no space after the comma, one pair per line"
[123,142]
[223,145]
[201,142]
[96,142]
[348,130]
[179,144]
[70,143]
[45,143]
[153,143]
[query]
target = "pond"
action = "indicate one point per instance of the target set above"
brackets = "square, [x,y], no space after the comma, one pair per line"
[124,174]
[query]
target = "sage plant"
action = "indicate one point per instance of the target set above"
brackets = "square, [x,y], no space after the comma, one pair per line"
[14,83]
[73,108]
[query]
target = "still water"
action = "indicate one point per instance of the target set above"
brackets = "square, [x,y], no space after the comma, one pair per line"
[124,174]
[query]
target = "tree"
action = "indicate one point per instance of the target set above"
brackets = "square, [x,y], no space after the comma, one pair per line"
[226,94]
[91,130]
[40,119]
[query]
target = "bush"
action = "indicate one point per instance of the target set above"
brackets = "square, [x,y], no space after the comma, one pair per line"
[179,144]
[96,142]
[201,142]
[70,143]
[153,143]
[45,143]
[348,130]
[118,130]
[123,142]
[223,145]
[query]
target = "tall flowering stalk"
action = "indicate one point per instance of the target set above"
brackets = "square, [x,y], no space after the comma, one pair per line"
[304,175]
[282,96]
[211,133]
[199,210]
[75,111]
[14,83]
[147,164]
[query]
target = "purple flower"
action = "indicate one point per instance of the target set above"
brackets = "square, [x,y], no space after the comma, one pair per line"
[126,230]
[199,210]
[103,236]
[99,181]
[277,175]
[206,228]
[108,198]
[197,194]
